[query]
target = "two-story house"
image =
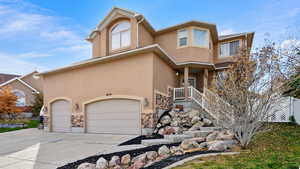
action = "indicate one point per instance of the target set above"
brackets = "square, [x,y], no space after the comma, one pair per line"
[135,73]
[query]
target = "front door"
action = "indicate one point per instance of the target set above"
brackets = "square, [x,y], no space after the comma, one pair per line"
[191,80]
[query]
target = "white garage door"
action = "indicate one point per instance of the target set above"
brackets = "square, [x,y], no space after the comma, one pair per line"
[116,116]
[61,116]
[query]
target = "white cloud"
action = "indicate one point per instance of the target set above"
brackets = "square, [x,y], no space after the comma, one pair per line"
[16,65]
[226,32]
[36,33]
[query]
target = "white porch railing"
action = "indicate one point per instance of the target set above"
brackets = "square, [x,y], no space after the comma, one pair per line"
[209,101]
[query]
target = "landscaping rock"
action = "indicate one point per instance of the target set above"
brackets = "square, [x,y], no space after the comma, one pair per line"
[161,131]
[188,144]
[87,166]
[117,167]
[165,120]
[101,163]
[141,158]
[197,126]
[203,145]
[198,139]
[125,159]
[224,135]
[176,150]
[207,122]
[164,151]
[115,160]
[195,119]
[175,123]
[177,130]
[151,155]
[221,145]
[137,165]
[168,130]
[193,113]
[212,136]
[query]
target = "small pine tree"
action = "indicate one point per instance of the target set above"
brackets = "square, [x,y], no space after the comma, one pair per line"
[38,104]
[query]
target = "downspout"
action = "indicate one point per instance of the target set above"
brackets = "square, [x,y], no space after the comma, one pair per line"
[137,32]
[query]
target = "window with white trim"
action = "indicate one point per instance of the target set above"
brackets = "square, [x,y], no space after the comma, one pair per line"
[120,35]
[200,38]
[182,37]
[21,98]
[229,49]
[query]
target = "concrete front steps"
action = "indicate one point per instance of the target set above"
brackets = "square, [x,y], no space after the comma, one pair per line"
[176,138]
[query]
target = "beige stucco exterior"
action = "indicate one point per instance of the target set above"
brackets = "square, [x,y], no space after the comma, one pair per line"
[149,68]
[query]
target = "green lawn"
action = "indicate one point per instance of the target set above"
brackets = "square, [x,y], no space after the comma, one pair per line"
[30,123]
[278,148]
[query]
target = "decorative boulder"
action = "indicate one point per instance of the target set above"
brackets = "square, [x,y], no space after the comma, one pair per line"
[197,126]
[223,135]
[141,158]
[87,166]
[198,139]
[175,123]
[101,163]
[165,120]
[195,119]
[151,155]
[115,160]
[203,145]
[137,165]
[125,159]
[177,130]
[188,144]
[117,167]
[193,113]
[212,136]
[176,150]
[164,151]
[221,145]
[169,130]
[207,122]
[161,131]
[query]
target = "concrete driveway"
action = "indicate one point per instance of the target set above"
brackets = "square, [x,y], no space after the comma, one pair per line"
[35,149]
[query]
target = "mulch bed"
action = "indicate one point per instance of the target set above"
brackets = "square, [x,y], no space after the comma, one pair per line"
[133,153]
[138,140]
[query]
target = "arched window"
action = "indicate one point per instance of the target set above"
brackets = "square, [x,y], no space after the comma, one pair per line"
[120,35]
[21,97]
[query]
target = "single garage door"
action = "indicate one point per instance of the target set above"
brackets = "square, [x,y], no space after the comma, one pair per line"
[115,116]
[61,116]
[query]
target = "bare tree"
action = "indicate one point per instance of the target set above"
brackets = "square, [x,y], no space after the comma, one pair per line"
[252,86]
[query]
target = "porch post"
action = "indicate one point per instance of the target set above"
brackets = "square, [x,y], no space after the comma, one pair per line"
[205,78]
[186,82]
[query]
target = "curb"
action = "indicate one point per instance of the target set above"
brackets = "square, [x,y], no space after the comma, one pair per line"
[198,156]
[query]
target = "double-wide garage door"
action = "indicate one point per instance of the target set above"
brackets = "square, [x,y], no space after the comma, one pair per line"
[115,116]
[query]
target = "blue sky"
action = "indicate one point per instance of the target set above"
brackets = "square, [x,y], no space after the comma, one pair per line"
[46,34]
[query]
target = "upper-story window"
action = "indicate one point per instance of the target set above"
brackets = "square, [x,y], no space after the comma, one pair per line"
[182,37]
[120,35]
[229,48]
[200,38]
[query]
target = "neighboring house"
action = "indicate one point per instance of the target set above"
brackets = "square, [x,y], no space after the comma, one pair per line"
[134,73]
[24,87]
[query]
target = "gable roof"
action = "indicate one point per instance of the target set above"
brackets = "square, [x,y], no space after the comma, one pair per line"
[19,78]
[6,77]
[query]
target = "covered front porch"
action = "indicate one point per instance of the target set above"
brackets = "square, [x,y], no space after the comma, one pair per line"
[193,78]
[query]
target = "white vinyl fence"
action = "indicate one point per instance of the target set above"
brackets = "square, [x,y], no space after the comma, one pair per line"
[290,107]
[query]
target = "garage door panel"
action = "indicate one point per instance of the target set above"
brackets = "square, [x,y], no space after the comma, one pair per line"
[117,116]
[105,115]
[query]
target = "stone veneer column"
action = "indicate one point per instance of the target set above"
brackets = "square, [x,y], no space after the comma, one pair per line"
[77,121]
